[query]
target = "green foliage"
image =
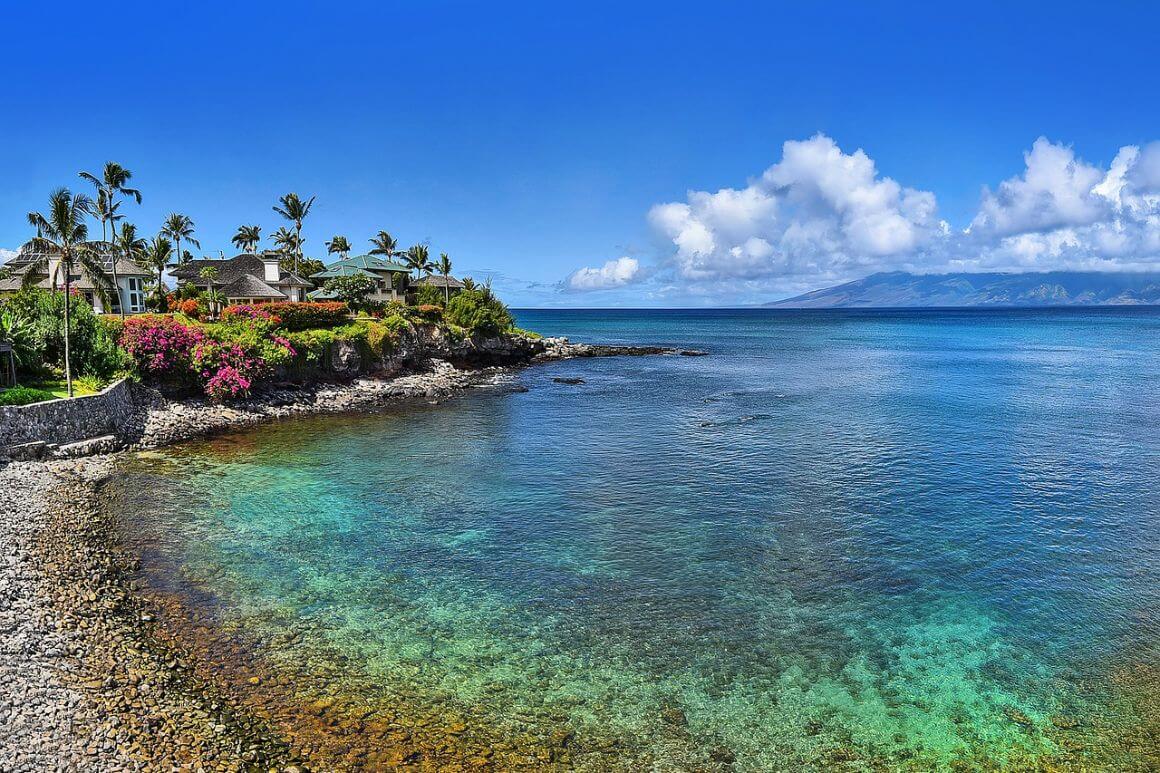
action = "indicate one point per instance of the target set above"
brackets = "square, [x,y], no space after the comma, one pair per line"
[257,337]
[40,315]
[526,333]
[426,295]
[353,289]
[87,385]
[306,266]
[383,336]
[479,311]
[21,395]
[311,345]
[19,332]
[396,323]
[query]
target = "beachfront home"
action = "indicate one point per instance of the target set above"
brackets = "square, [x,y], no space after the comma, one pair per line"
[245,278]
[390,278]
[131,280]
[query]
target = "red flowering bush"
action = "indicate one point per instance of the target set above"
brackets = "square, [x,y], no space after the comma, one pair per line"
[303,316]
[191,308]
[245,311]
[227,383]
[226,360]
[160,345]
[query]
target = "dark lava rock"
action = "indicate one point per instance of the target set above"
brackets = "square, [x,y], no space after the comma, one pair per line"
[568,380]
[692,353]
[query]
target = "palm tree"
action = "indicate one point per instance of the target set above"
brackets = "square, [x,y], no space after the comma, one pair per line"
[338,244]
[129,245]
[209,274]
[109,185]
[156,257]
[444,268]
[178,227]
[64,238]
[418,260]
[294,209]
[286,241]
[247,237]
[385,244]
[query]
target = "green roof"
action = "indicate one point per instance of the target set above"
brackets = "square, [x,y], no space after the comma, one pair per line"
[337,270]
[365,264]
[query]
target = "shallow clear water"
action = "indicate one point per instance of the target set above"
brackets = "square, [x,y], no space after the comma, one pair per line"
[869,538]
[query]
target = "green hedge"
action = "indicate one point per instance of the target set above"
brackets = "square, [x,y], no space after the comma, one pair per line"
[20,395]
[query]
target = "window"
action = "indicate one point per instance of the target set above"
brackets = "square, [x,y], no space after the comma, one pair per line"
[136,298]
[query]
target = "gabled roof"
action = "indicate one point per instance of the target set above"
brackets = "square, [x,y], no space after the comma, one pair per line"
[438,280]
[332,272]
[229,271]
[125,268]
[248,286]
[370,263]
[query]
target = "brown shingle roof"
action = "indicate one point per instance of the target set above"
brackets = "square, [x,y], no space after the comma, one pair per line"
[247,286]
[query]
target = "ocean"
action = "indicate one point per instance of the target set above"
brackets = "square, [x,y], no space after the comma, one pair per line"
[859,539]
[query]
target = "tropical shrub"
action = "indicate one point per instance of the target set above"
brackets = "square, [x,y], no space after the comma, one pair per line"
[192,308]
[311,346]
[161,346]
[21,395]
[428,312]
[40,316]
[19,332]
[479,312]
[354,289]
[426,295]
[246,311]
[303,316]
[383,337]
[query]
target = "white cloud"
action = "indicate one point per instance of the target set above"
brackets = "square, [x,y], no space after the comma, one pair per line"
[6,255]
[1063,213]
[817,212]
[821,216]
[1055,190]
[614,273]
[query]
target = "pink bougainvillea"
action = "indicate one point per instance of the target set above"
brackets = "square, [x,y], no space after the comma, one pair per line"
[226,360]
[160,345]
[227,383]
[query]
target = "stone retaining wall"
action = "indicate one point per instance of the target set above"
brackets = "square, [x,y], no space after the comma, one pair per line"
[57,422]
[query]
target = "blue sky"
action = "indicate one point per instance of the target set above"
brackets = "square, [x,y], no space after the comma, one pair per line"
[612,153]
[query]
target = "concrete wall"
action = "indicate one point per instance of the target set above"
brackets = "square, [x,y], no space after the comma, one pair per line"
[67,421]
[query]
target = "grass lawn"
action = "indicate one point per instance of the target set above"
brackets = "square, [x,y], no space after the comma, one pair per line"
[58,387]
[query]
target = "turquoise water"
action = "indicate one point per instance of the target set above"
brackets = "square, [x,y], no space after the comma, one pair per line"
[874,539]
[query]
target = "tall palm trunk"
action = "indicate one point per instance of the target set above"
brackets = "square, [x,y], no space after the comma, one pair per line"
[297,243]
[446,293]
[67,325]
[116,283]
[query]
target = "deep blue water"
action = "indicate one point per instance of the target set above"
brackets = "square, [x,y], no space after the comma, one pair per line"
[881,538]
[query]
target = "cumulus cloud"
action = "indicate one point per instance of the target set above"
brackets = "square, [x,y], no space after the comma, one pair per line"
[820,216]
[818,211]
[6,255]
[614,273]
[1064,213]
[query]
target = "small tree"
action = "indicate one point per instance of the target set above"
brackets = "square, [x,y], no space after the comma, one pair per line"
[209,274]
[354,289]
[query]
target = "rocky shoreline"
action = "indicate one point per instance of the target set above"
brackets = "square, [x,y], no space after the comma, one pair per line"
[89,680]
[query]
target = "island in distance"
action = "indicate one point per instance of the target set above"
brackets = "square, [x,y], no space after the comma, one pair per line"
[898,289]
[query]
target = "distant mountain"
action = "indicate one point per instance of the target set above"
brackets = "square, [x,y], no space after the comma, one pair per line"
[1054,288]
